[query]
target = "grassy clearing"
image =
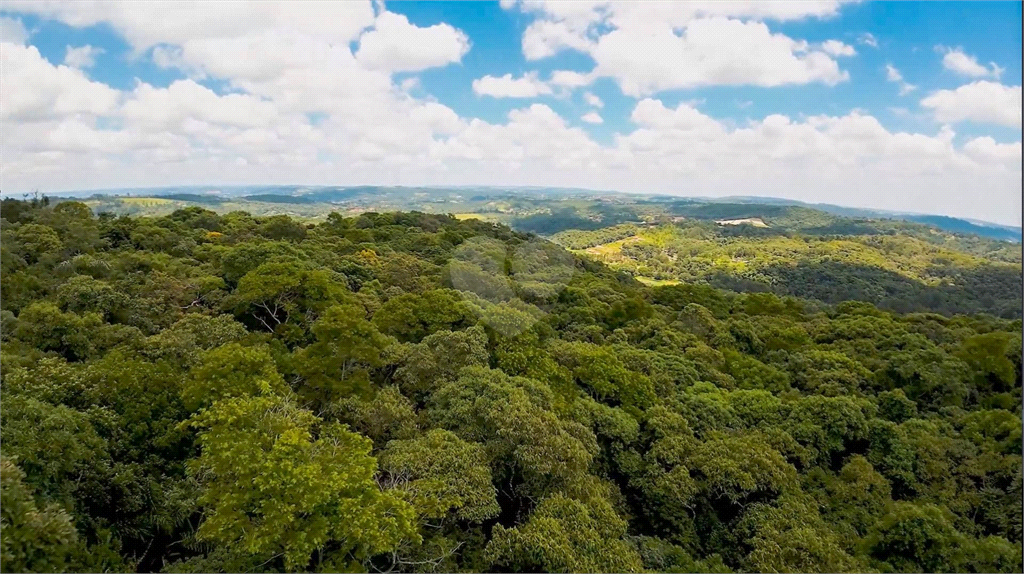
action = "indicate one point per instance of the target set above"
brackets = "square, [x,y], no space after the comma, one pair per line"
[651,282]
[610,249]
[481,216]
[145,201]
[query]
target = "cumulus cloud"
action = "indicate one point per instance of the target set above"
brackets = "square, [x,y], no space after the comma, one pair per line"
[63,130]
[36,90]
[396,45]
[569,79]
[982,102]
[851,159]
[955,60]
[592,118]
[12,31]
[651,47]
[306,70]
[186,101]
[837,48]
[173,22]
[986,149]
[893,75]
[544,38]
[525,86]
[82,56]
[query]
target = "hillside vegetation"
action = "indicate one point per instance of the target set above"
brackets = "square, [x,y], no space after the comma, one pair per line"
[897,271]
[406,392]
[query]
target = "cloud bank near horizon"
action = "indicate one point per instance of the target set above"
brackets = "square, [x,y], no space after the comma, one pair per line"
[341,94]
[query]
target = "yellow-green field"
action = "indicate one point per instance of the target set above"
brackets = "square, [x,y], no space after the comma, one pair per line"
[145,201]
[650,281]
[610,249]
[480,216]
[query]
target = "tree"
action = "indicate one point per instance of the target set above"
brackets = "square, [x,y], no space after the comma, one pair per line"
[285,298]
[738,467]
[279,482]
[37,242]
[790,536]
[231,370]
[603,426]
[513,418]
[441,475]
[440,356]
[916,538]
[33,539]
[598,370]
[410,316]
[387,416]
[858,495]
[565,535]
[987,357]
[828,373]
[48,328]
[337,364]
[828,425]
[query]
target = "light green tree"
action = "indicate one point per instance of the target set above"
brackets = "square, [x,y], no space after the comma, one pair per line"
[277,482]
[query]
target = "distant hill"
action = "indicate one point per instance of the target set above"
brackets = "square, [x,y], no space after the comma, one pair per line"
[956,225]
[277,198]
[943,222]
[394,197]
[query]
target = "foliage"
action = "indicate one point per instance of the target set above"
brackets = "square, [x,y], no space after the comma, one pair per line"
[218,391]
[904,272]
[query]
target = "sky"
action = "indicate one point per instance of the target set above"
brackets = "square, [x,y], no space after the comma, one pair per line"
[900,105]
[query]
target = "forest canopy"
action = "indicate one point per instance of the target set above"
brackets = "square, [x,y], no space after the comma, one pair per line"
[407,392]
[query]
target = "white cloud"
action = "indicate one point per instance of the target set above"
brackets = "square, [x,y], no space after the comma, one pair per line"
[173,57]
[12,31]
[986,149]
[966,65]
[710,52]
[569,79]
[526,86]
[65,131]
[867,39]
[544,38]
[439,119]
[592,10]
[650,113]
[849,159]
[82,56]
[982,102]
[837,48]
[893,75]
[35,90]
[535,135]
[189,133]
[592,118]
[185,100]
[396,45]
[652,46]
[174,22]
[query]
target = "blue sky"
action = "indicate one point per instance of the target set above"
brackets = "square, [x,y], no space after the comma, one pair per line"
[907,33]
[899,105]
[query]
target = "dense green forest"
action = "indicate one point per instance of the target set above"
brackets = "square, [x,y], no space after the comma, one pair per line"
[408,392]
[894,265]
